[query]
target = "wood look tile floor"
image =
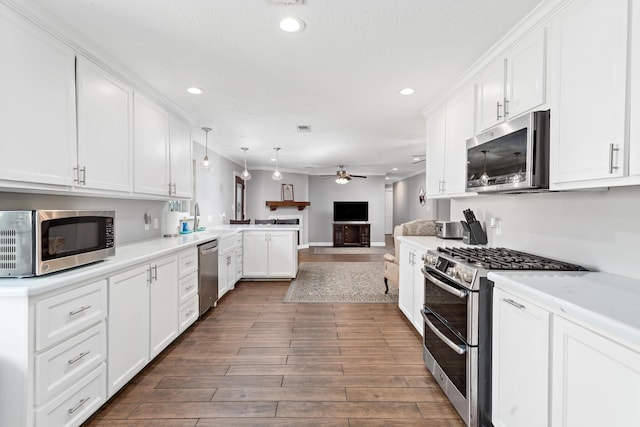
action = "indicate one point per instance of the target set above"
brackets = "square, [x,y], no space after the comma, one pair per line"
[256,361]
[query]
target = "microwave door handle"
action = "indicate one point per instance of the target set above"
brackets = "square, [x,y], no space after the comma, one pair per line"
[460,349]
[460,293]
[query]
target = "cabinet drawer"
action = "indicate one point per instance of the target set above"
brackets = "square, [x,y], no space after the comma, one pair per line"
[61,366]
[187,287]
[77,403]
[188,313]
[63,315]
[187,261]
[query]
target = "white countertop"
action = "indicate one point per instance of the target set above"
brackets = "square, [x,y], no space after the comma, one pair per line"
[432,242]
[126,256]
[602,301]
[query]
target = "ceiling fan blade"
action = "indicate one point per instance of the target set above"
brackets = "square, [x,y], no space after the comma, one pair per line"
[357,176]
[418,161]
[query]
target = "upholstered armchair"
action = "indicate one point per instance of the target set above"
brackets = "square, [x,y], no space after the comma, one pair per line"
[418,227]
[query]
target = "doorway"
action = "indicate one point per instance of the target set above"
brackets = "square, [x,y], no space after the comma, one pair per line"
[239,197]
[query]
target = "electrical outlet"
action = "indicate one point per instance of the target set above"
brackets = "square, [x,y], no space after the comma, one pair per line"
[156,223]
[209,219]
[146,227]
[498,228]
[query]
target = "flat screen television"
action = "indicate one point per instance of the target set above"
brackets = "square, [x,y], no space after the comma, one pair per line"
[350,211]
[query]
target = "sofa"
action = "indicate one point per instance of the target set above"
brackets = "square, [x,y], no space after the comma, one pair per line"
[418,227]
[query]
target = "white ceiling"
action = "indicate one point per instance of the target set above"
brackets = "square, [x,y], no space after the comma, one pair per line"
[341,75]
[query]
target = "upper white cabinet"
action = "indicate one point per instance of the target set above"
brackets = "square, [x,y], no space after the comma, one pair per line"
[105,140]
[514,84]
[37,105]
[180,157]
[447,132]
[589,83]
[151,142]
[634,114]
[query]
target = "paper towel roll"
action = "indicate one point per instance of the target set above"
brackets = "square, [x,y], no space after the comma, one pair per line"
[172,223]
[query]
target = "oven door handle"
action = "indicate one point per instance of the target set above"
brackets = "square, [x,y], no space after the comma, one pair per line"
[460,293]
[460,349]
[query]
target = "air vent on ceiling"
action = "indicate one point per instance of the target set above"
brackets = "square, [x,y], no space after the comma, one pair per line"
[287,1]
[303,128]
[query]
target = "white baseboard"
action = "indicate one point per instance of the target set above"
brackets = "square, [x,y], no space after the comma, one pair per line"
[331,244]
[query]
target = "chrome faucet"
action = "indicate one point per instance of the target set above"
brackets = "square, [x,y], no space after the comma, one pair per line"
[196,217]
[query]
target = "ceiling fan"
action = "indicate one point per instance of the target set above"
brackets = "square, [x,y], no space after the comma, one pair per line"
[343,177]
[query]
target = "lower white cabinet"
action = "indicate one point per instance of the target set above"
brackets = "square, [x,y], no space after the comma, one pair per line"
[411,286]
[269,254]
[128,335]
[596,381]
[520,362]
[229,247]
[143,317]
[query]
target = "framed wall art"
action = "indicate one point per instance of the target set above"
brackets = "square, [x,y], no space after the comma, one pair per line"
[287,192]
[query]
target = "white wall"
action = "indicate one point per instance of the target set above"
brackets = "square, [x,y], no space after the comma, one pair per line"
[406,205]
[324,191]
[599,230]
[261,188]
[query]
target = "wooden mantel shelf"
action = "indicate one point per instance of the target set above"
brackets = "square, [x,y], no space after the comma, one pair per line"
[273,205]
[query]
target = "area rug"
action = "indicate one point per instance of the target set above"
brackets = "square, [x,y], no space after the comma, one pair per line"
[324,250]
[352,282]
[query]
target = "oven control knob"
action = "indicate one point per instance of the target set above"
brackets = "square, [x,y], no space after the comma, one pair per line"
[467,276]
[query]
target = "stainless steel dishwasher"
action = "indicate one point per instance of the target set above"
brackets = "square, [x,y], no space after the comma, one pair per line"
[208,274]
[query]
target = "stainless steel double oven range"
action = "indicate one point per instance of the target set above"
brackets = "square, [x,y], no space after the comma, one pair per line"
[457,321]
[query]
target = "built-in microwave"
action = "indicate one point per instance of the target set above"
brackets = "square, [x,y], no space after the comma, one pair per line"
[37,242]
[511,157]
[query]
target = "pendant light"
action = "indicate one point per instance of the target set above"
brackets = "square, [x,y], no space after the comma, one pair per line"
[276,176]
[246,176]
[205,162]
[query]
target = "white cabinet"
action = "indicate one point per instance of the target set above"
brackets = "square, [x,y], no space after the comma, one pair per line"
[151,142]
[180,155]
[37,106]
[589,83]
[596,381]
[163,307]
[514,84]
[105,140]
[227,262]
[447,132]
[634,108]
[411,285]
[128,326]
[187,288]
[520,362]
[270,254]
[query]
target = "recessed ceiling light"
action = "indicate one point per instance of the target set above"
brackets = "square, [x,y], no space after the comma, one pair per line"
[195,90]
[387,178]
[416,159]
[292,25]
[407,91]
[394,169]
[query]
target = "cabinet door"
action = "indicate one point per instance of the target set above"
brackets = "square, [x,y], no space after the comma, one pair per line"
[128,326]
[520,365]
[282,245]
[223,279]
[435,139]
[490,96]
[526,67]
[459,128]
[589,84]
[405,285]
[163,299]
[418,294]
[180,155]
[37,105]
[338,235]
[151,138]
[105,140]
[254,257]
[634,113]
[596,381]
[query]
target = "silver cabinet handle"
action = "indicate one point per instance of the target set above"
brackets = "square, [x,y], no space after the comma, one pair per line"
[174,188]
[80,356]
[460,349]
[80,310]
[189,314]
[189,287]
[513,303]
[460,293]
[498,105]
[188,262]
[79,405]
[80,171]
[506,111]
[155,273]
[612,149]
[149,276]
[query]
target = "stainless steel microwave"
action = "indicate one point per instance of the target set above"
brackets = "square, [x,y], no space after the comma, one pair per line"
[37,242]
[511,157]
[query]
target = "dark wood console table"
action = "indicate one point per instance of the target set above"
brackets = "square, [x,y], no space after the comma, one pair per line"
[348,234]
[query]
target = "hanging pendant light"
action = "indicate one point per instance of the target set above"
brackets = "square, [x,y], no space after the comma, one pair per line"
[276,176]
[246,176]
[205,162]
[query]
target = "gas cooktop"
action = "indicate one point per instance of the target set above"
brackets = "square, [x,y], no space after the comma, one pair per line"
[506,259]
